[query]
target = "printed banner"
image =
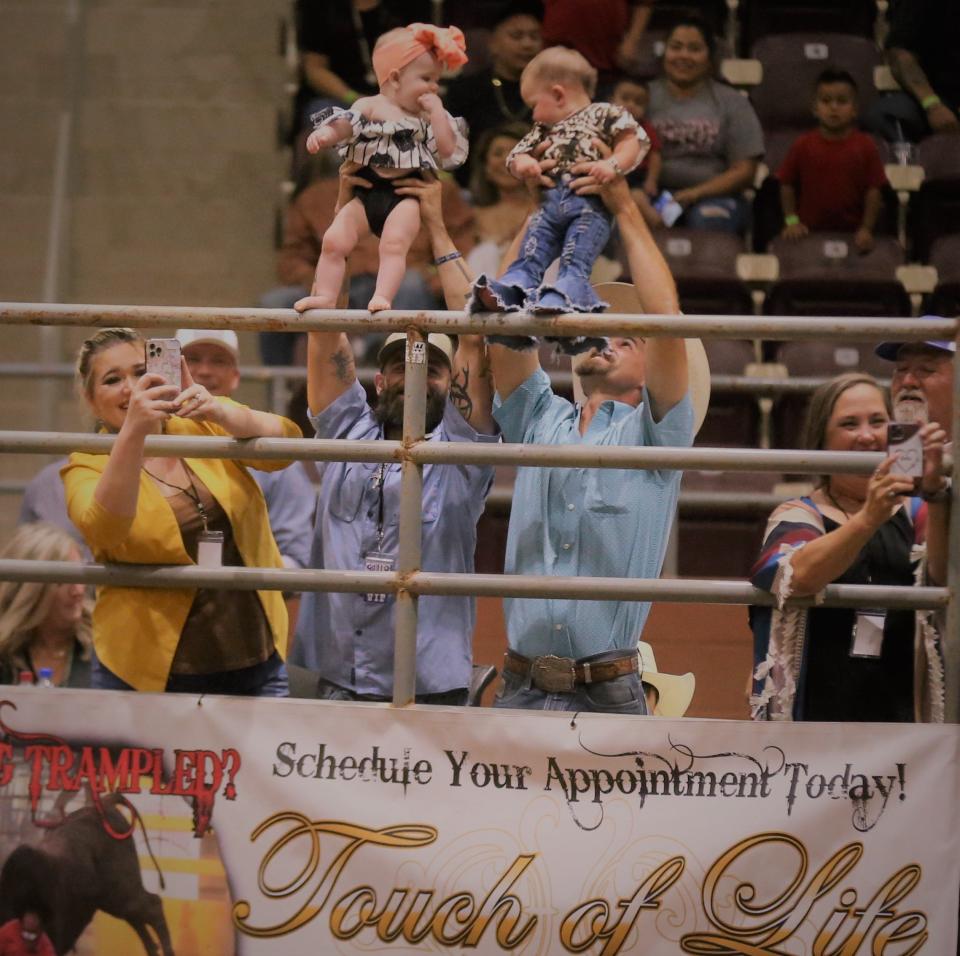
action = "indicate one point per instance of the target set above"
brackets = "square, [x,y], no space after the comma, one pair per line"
[172,824]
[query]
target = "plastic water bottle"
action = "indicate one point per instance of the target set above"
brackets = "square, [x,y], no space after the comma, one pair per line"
[902,148]
[25,678]
[45,677]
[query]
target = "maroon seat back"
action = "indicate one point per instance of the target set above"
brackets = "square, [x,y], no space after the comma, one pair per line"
[791,64]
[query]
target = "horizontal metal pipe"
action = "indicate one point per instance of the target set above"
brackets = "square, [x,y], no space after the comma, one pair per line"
[500,500]
[561,378]
[173,446]
[568,456]
[355,320]
[677,590]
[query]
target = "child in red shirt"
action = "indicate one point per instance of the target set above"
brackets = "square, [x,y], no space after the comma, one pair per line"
[832,176]
[644,181]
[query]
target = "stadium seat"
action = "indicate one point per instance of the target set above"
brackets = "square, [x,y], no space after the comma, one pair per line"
[733,420]
[760,18]
[665,12]
[823,274]
[818,360]
[767,213]
[945,257]
[717,540]
[704,265]
[791,63]
[935,208]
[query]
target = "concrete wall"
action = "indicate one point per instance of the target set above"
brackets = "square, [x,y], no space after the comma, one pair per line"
[170,112]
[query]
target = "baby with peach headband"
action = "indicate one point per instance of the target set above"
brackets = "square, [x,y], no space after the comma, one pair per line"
[398,133]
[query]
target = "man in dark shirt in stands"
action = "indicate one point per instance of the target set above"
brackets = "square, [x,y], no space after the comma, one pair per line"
[491,97]
[921,50]
[335,39]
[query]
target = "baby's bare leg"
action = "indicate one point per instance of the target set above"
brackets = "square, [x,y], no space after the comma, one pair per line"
[399,231]
[349,227]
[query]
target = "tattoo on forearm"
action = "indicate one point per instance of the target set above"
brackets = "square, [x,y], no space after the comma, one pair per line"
[463,269]
[459,394]
[342,363]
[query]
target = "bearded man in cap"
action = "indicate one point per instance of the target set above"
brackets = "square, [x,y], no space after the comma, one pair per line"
[922,384]
[349,638]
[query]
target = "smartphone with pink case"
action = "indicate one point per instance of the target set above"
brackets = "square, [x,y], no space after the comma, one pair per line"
[163,358]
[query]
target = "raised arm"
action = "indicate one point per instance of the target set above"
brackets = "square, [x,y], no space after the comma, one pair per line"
[820,562]
[151,403]
[666,366]
[196,403]
[443,131]
[471,389]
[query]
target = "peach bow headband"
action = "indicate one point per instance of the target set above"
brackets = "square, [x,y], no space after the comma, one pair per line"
[447,44]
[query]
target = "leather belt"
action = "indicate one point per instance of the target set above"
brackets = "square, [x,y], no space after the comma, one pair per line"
[558,675]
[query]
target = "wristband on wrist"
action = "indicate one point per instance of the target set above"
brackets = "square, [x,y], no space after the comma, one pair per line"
[931,100]
[350,97]
[940,496]
[615,165]
[792,220]
[449,257]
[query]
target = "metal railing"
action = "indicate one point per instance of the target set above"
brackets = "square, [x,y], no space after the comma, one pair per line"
[408,581]
[278,379]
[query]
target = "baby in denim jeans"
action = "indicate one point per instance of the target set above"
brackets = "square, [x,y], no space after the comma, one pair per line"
[558,85]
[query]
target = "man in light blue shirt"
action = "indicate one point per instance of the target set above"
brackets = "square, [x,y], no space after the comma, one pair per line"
[349,638]
[582,655]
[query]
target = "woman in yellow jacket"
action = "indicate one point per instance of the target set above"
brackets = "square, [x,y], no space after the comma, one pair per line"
[140,510]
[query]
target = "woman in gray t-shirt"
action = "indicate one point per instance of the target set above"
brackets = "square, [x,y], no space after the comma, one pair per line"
[711,136]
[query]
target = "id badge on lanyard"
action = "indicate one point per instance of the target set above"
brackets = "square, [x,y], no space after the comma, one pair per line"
[868,633]
[210,549]
[378,560]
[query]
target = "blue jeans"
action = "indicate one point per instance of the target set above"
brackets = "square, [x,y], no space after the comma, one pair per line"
[722,214]
[574,227]
[619,695]
[277,348]
[268,679]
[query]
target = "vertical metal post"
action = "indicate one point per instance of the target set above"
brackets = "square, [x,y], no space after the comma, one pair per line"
[277,390]
[411,514]
[951,648]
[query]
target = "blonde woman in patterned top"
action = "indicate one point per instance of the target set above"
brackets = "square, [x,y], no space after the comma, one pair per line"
[398,133]
[568,130]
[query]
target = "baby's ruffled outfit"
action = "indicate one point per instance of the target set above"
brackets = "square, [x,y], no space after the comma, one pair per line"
[574,227]
[392,144]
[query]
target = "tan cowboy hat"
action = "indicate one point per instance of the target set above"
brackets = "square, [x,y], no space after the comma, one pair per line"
[676,691]
[623,298]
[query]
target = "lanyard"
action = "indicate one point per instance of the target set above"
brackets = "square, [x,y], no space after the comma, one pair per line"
[190,492]
[378,481]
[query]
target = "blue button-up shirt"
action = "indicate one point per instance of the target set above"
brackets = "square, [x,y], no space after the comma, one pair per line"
[586,521]
[291,503]
[344,636]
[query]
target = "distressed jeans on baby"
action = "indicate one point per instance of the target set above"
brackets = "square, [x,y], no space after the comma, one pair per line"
[575,228]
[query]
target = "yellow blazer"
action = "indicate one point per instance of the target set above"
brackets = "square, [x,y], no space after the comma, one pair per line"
[136,630]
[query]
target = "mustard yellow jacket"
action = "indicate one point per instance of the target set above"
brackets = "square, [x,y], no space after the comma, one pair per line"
[136,630]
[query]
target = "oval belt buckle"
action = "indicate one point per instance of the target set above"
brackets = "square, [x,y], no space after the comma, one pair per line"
[555,675]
